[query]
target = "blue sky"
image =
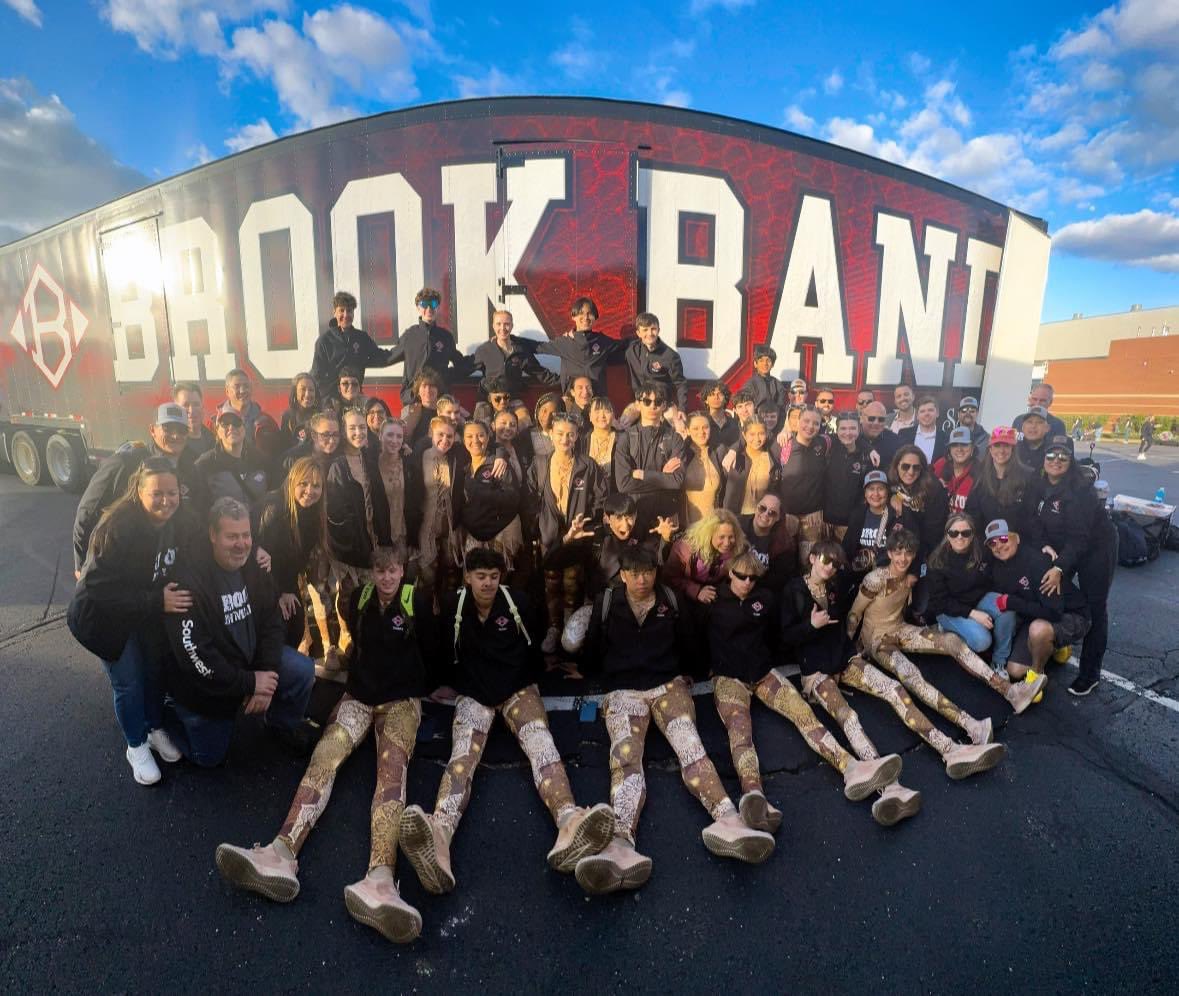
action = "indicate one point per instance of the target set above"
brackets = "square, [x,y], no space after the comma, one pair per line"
[1069,111]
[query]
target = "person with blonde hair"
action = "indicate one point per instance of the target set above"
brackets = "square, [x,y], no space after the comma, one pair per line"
[699,560]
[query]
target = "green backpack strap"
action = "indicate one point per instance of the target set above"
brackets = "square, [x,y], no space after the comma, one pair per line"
[366,594]
[407,600]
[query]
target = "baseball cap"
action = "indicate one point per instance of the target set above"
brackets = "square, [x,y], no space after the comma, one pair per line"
[969,402]
[960,436]
[797,382]
[1037,411]
[171,413]
[1003,434]
[1060,443]
[996,528]
[876,477]
[229,418]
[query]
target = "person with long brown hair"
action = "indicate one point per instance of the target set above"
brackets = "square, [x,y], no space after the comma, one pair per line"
[704,478]
[302,403]
[754,472]
[122,593]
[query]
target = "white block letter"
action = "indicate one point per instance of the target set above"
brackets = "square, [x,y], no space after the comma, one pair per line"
[982,258]
[194,286]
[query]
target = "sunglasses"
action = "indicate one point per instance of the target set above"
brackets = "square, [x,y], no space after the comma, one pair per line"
[742,577]
[825,560]
[997,540]
[648,401]
[766,510]
[430,302]
[349,383]
[494,398]
[908,466]
[1058,456]
[873,418]
[959,533]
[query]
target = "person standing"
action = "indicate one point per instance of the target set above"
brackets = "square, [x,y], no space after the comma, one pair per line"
[649,460]
[509,360]
[1041,396]
[428,345]
[343,344]
[904,415]
[239,398]
[927,434]
[189,396]
[649,358]
[968,419]
[581,350]
[1147,437]
[302,404]
[847,463]
[231,468]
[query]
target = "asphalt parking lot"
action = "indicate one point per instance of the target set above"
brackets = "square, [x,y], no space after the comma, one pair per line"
[1055,872]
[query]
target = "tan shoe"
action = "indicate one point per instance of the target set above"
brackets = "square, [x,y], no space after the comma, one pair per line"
[756,811]
[731,837]
[980,731]
[332,667]
[1022,694]
[259,869]
[585,832]
[428,848]
[969,759]
[617,866]
[896,803]
[376,903]
[862,778]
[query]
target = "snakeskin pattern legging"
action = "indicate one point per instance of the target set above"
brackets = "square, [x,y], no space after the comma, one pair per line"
[525,716]
[865,677]
[733,699]
[934,641]
[628,714]
[396,729]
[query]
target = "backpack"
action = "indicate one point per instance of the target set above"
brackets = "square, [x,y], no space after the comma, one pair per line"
[1133,549]
[515,613]
[608,598]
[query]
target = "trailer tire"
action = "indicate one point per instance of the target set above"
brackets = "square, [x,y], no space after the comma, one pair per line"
[27,459]
[66,463]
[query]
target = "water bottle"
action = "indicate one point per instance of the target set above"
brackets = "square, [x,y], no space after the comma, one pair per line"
[1161,495]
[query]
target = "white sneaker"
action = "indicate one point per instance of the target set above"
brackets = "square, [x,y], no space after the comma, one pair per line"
[143,765]
[1141,456]
[161,743]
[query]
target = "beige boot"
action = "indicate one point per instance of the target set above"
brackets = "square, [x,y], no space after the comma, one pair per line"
[731,837]
[617,866]
[584,832]
[980,731]
[264,870]
[862,778]
[427,846]
[756,811]
[332,667]
[375,902]
[896,803]
[1023,693]
[969,759]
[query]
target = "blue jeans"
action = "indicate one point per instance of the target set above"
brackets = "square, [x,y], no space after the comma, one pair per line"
[977,637]
[138,687]
[204,740]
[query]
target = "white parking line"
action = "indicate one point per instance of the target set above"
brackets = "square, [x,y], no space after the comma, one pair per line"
[1133,689]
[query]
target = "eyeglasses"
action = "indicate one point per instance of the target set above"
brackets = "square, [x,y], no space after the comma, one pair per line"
[1057,456]
[968,408]
[997,540]
[959,533]
[767,510]
[908,466]
[742,577]
[648,401]
[349,383]
[328,435]
[798,392]
[874,418]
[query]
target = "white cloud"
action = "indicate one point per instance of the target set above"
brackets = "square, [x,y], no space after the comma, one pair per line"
[246,137]
[833,83]
[1127,26]
[51,168]
[165,28]
[1101,76]
[363,49]
[494,84]
[798,119]
[1067,135]
[919,64]
[1147,238]
[704,6]
[199,154]
[1070,190]
[1174,203]
[579,57]
[27,9]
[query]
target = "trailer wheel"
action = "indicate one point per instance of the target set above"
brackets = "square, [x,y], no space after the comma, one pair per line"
[65,462]
[27,459]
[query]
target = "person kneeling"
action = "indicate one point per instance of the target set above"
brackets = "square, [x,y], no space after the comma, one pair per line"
[227,648]
[642,640]
[392,627]
[494,661]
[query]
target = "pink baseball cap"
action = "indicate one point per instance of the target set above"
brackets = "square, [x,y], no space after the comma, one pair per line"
[1003,434]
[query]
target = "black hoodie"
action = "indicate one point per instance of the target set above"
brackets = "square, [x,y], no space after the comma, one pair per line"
[640,656]
[826,650]
[494,658]
[337,348]
[956,588]
[740,632]
[390,648]
[1019,579]
[347,522]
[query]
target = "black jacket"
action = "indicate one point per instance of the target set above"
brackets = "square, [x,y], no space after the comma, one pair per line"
[517,369]
[110,481]
[983,506]
[740,633]
[587,492]
[649,449]
[930,519]
[289,554]
[804,476]
[583,354]
[767,388]
[390,649]
[844,482]
[347,525]
[337,348]
[729,435]
[644,656]
[817,651]
[1019,579]
[941,439]
[226,476]
[121,592]
[431,346]
[1067,512]
[207,671]
[494,660]
[661,365]
[484,504]
[956,589]
[885,446]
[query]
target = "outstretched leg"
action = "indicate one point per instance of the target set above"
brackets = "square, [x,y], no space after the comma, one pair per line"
[524,713]
[675,715]
[863,677]
[468,733]
[1020,695]
[627,718]
[732,702]
[776,692]
[396,734]
[822,688]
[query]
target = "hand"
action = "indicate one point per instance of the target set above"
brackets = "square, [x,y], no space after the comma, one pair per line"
[77,575]
[1051,552]
[499,468]
[672,465]
[637,474]
[176,599]
[405,450]
[1051,582]
[1001,603]
[288,604]
[257,704]
[783,437]
[263,558]
[444,694]
[666,526]
[874,458]
[577,529]
[897,503]
[729,461]
[980,617]
[820,618]
[265,682]
[707,595]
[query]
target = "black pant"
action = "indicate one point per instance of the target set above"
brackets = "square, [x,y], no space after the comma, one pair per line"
[1096,573]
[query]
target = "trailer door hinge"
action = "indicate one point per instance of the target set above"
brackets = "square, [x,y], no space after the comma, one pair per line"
[505,289]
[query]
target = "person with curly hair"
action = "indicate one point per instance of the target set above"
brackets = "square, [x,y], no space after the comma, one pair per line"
[699,560]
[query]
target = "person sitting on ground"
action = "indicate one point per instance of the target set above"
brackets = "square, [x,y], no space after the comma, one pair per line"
[884,636]
[389,675]
[957,469]
[123,591]
[814,607]
[227,647]
[495,662]
[642,641]
[698,562]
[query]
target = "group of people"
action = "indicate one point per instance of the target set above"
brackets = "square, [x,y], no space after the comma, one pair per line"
[457,555]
